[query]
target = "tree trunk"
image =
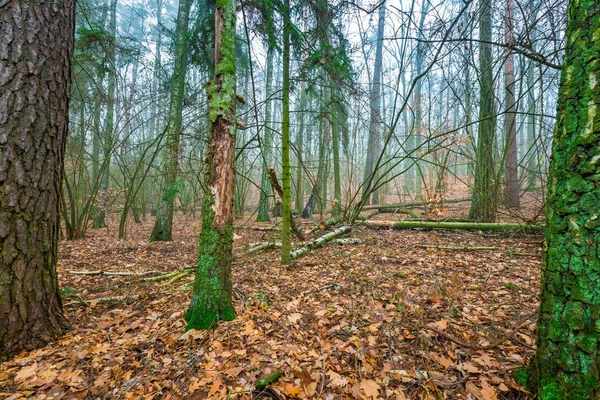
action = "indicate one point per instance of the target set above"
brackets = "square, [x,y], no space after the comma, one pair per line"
[34,101]
[374,145]
[531,152]
[335,133]
[107,145]
[416,136]
[484,200]
[163,224]
[316,192]
[300,148]
[211,300]
[566,363]
[511,163]
[286,177]
[279,190]
[265,187]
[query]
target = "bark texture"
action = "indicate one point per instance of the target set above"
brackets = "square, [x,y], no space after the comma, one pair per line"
[484,200]
[36,47]
[286,177]
[511,163]
[374,145]
[211,299]
[567,362]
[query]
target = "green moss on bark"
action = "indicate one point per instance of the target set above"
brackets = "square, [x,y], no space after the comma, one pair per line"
[211,299]
[566,365]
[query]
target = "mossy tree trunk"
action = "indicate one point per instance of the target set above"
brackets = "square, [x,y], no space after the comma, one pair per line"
[484,200]
[163,225]
[567,361]
[211,300]
[34,103]
[286,177]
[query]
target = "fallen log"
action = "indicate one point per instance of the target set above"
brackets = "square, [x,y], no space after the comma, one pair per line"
[320,241]
[347,241]
[256,247]
[279,190]
[482,226]
[412,204]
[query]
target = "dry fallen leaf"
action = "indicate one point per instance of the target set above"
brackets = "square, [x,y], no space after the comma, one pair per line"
[26,373]
[488,392]
[370,387]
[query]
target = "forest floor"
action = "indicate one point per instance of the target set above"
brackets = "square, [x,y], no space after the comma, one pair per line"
[396,317]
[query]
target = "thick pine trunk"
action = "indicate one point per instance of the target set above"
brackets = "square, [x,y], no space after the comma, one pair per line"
[211,299]
[163,225]
[567,362]
[484,200]
[35,61]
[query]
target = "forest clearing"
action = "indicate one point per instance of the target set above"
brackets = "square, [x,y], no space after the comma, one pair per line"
[319,199]
[404,315]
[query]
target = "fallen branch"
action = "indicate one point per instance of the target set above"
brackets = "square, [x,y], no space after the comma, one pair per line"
[113,273]
[279,190]
[320,241]
[256,247]
[177,277]
[161,277]
[483,226]
[458,248]
[268,380]
[109,299]
[347,241]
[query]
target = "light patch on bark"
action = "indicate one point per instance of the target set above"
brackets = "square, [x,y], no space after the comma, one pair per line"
[593,80]
[589,126]
[216,204]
